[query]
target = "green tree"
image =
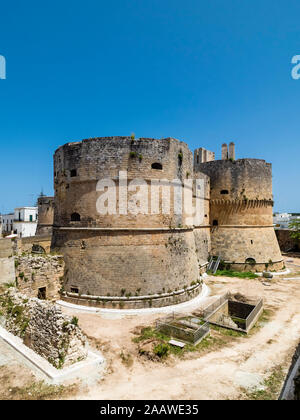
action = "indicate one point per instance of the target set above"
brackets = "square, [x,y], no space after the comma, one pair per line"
[295,229]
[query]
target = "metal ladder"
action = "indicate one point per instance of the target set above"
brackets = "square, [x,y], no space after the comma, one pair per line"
[214,264]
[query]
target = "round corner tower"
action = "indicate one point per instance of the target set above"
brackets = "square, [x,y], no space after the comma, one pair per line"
[241,214]
[45,215]
[123,259]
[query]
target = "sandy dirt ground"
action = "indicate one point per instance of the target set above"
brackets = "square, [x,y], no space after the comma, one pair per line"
[219,372]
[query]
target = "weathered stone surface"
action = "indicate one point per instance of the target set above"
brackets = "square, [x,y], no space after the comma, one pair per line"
[44,328]
[34,272]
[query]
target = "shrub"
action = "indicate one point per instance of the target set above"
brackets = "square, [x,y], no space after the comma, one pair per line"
[161,350]
[74,321]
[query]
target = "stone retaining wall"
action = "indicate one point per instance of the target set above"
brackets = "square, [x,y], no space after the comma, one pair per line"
[43,328]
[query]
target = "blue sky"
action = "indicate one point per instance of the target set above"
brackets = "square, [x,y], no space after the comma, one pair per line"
[202,71]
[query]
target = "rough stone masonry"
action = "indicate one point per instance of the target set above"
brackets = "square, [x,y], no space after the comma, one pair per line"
[43,328]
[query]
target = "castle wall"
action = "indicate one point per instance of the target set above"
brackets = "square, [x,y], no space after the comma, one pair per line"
[202,232]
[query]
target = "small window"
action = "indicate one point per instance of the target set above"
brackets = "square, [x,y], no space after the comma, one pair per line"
[251,242]
[73,173]
[74,290]
[215,223]
[31,218]
[75,217]
[157,166]
[42,293]
[224,192]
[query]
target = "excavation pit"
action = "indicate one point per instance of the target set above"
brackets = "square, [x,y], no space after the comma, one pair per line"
[232,314]
[189,329]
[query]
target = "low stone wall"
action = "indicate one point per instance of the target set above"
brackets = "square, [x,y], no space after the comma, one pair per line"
[25,245]
[256,268]
[135,302]
[36,272]
[7,267]
[43,328]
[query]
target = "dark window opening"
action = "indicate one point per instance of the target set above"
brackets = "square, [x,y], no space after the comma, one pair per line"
[157,166]
[38,249]
[251,242]
[215,223]
[250,261]
[224,192]
[74,290]
[42,293]
[73,172]
[75,217]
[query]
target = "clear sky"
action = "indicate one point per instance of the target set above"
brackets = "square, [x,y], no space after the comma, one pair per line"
[202,71]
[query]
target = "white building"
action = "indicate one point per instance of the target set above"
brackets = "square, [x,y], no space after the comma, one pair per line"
[23,222]
[8,223]
[283,220]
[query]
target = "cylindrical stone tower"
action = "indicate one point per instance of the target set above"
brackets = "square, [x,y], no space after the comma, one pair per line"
[45,215]
[241,214]
[123,260]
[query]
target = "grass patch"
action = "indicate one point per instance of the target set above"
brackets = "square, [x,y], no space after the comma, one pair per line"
[272,386]
[239,274]
[228,332]
[163,349]
[39,391]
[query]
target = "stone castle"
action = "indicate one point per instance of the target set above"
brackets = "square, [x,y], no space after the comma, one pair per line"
[145,260]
